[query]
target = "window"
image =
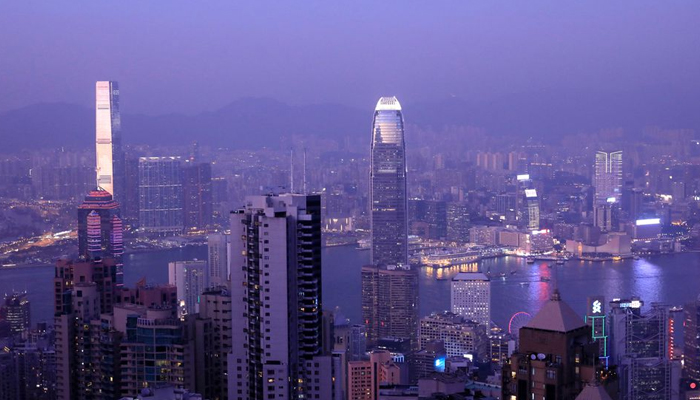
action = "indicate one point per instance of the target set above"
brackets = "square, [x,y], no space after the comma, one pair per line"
[551,374]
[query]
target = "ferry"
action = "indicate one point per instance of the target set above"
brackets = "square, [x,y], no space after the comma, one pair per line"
[450,257]
[530,260]
[561,261]
[544,279]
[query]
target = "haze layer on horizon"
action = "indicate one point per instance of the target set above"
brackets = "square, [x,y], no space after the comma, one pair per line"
[188,57]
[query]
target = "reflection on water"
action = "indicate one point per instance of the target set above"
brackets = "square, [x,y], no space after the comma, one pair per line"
[516,285]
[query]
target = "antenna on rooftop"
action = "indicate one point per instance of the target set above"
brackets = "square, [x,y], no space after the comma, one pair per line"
[304,182]
[291,170]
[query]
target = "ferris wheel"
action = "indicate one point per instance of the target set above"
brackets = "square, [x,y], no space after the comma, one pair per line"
[517,321]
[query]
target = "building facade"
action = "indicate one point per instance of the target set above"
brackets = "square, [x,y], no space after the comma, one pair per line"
[160,195]
[191,278]
[276,299]
[470,297]
[109,156]
[197,196]
[217,249]
[390,303]
[387,192]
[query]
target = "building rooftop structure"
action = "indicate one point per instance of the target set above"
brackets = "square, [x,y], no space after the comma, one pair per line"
[556,316]
[593,391]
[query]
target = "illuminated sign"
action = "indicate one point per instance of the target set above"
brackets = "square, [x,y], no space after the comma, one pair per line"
[596,306]
[523,177]
[439,364]
[611,200]
[648,221]
[530,193]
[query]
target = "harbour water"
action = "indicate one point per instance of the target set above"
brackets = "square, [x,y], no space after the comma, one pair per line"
[672,279]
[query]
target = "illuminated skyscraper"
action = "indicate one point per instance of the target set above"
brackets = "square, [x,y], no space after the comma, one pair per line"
[108,144]
[100,229]
[608,177]
[387,192]
[471,297]
[160,195]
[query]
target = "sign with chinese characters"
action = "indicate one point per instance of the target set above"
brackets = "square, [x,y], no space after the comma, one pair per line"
[596,306]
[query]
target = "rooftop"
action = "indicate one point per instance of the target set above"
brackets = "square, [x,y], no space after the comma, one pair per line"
[470,276]
[388,103]
[593,391]
[556,316]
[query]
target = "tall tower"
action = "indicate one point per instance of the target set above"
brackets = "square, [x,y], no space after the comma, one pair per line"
[608,177]
[387,192]
[100,230]
[109,157]
[276,299]
[470,297]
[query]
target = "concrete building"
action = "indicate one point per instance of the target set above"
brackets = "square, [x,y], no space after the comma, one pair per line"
[458,222]
[461,337]
[470,297]
[197,196]
[691,340]
[555,356]
[190,278]
[213,343]
[218,249]
[390,303]
[16,310]
[161,195]
[276,297]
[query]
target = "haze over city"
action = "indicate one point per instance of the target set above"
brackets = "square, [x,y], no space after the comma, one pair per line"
[390,200]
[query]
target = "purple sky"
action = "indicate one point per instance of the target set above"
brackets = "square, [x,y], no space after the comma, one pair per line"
[186,56]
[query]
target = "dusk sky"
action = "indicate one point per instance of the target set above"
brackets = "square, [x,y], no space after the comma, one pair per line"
[189,57]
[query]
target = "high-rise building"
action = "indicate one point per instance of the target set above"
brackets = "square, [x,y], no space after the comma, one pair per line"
[457,222]
[160,195]
[555,356]
[109,156]
[691,341]
[130,200]
[276,297]
[100,229]
[17,312]
[608,177]
[191,279]
[387,192]
[197,193]
[470,297]
[390,303]
[531,213]
[213,343]
[218,248]
[87,353]
[461,337]
[640,346]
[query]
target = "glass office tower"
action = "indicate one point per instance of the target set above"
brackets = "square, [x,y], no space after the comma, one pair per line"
[109,157]
[388,185]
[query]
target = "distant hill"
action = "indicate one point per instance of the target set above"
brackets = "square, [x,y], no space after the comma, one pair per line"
[257,122]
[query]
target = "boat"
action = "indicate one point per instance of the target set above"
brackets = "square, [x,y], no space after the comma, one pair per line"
[544,279]
[524,283]
[636,257]
[530,260]
[502,275]
[513,272]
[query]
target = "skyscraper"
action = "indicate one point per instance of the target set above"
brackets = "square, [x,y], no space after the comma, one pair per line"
[160,195]
[109,156]
[217,246]
[100,229]
[276,300]
[640,347]
[17,312]
[471,297]
[691,340]
[608,177]
[390,303]
[387,194]
[191,279]
[197,195]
